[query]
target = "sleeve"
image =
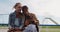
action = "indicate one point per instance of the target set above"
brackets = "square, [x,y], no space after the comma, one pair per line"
[9,23]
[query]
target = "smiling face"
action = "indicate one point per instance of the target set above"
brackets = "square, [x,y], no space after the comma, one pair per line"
[17,7]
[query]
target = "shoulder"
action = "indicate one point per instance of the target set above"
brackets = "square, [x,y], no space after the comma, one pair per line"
[11,13]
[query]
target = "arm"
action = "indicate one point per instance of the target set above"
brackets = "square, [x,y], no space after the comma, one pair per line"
[10,21]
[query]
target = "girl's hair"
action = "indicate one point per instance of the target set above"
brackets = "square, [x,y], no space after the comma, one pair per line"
[16,5]
[24,7]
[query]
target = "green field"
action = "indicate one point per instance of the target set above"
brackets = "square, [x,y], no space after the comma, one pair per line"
[50,28]
[43,28]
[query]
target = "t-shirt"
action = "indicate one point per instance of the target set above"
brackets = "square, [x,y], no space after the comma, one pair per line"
[17,22]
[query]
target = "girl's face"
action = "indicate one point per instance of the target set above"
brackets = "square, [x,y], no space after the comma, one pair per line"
[25,11]
[18,8]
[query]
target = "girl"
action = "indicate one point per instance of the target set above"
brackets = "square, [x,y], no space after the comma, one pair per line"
[29,17]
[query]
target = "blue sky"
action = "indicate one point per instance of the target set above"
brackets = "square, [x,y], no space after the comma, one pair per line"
[42,8]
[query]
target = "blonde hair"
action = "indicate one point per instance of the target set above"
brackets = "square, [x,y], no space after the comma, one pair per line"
[16,5]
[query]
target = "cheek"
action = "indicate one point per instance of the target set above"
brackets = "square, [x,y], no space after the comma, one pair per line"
[26,23]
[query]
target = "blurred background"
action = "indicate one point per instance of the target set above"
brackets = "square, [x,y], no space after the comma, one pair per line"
[46,11]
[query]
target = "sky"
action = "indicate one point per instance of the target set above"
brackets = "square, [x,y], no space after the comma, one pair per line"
[41,8]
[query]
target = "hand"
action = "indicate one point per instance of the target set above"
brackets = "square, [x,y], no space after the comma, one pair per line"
[11,28]
[18,31]
[17,28]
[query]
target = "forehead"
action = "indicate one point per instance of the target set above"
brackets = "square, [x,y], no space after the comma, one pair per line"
[19,5]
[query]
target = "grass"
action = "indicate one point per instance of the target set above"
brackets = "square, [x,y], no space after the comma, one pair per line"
[45,28]
[3,26]
[50,28]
